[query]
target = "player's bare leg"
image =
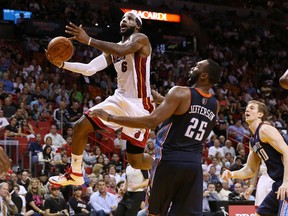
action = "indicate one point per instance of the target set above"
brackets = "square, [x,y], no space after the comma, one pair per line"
[74,175]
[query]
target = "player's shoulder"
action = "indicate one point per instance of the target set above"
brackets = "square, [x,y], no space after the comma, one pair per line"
[180,91]
[139,36]
[267,130]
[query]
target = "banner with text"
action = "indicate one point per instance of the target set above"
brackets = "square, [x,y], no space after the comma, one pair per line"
[153,15]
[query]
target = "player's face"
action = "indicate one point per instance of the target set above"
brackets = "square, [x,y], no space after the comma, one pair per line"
[252,113]
[195,72]
[128,24]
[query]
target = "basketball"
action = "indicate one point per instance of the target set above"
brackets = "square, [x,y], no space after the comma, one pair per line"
[60,49]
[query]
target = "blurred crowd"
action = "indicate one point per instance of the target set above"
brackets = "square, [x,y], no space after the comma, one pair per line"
[253,55]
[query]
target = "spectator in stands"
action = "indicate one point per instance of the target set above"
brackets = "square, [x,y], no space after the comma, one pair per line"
[237,194]
[62,97]
[7,81]
[88,156]
[7,205]
[75,112]
[35,147]
[79,206]
[49,141]
[61,116]
[8,108]
[40,100]
[46,158]
[120,191]
[222,125]
[239,147]
[75,94]
[19,116]
[11,130]
[20,201]
[120,144]
[214,149]
[222,193]
[216,164]
[43,178]
[228,148]
[68,132]
[3,120]
[101,160]
[98,152]
[25,97]
[34,197]
[14,178]
[115,160]
[237,165]
[97,171]
[112,172]
[24,180]
[236,131]
[63,164]
[57,139]
[206,177]
[102,202]
[55,204]
[136,182]
[26,129]
[243,156]
[213,176]
[112,186]
[210,194]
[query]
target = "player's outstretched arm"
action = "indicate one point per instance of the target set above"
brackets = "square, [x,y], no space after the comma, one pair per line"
[248,171]
[284,80]
[136,42]
[174,103]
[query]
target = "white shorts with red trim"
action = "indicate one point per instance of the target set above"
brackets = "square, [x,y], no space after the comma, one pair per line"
[122,106]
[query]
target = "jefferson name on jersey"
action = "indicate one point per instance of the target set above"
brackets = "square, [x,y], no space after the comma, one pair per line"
[202,111]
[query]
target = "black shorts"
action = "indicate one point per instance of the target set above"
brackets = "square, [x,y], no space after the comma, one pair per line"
[178,186]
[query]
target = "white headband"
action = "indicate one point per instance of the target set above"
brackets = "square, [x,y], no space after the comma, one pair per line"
[136,15]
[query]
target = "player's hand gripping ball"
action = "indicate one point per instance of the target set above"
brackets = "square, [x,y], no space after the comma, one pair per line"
[59,50]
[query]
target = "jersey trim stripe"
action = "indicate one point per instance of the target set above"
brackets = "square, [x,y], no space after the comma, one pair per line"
[135,142]
[140,66]
[203,93]
[147,104]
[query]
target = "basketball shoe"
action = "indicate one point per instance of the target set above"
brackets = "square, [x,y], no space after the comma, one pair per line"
[68,178]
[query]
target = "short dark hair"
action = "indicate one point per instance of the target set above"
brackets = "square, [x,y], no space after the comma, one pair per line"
[214,71]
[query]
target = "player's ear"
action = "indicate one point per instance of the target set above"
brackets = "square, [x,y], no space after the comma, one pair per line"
[260,115]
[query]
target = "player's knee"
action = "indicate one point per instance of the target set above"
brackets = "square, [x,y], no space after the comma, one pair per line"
[83,126]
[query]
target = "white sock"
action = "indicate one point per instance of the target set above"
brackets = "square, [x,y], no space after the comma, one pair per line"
[76,163]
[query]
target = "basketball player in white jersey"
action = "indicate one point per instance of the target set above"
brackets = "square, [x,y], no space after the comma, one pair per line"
[131,59]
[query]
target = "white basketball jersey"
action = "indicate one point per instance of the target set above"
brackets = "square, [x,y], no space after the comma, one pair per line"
[133,75]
